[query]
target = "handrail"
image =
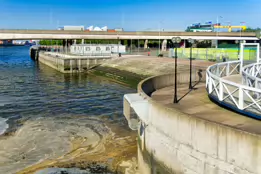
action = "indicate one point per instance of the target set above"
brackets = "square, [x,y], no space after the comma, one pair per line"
[250,75]
[227,81]
[239,97]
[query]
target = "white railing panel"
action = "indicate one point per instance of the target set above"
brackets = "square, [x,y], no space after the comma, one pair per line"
[245,97]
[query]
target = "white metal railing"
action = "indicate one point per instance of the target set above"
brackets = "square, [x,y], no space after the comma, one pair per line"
[239,96]
[252,75]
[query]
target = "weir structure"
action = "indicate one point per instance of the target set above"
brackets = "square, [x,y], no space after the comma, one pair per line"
[197,136]
[66,62]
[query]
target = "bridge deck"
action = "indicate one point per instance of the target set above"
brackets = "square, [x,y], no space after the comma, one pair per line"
[145,33]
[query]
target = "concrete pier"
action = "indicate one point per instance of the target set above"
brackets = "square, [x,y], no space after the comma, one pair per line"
[70,63]
[34,52]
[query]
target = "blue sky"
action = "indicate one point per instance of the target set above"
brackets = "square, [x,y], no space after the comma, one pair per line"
[132,15]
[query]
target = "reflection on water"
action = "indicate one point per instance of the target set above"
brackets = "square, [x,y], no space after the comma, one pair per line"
[29,89]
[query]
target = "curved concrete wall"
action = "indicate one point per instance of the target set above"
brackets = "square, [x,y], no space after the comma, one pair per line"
[173,142]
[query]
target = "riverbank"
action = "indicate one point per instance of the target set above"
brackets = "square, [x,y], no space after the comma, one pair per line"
[58,120]
[73,122]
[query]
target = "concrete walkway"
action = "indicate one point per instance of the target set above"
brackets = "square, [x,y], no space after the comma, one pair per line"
[235,78]
[197,104]
[151,65]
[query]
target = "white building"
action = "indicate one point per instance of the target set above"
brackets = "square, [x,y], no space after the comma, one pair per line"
[92,28]
[74,28]
[97,49]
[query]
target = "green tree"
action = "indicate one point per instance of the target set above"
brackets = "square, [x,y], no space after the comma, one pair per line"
[188,30]
[249,29]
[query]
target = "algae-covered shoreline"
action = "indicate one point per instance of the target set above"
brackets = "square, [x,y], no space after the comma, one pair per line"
[69,142]
[118,76]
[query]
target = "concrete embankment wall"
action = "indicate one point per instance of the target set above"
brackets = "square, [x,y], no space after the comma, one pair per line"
[34,52]
[131,70]
[173,142]
[70,65]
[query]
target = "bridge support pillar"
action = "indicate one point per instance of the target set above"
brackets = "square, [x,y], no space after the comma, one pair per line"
[129,42]
[82,41]
[184,43]
[164,45]
[63,44]
[66,45]
[69,43]
[74,41]
[214,43]
[146,44]
[169,44]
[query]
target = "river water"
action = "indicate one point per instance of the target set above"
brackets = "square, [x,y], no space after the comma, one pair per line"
[31,91]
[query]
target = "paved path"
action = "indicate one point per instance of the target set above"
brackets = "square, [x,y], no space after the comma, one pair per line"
[197,104]
[166,59]
[150,66]
[234,78]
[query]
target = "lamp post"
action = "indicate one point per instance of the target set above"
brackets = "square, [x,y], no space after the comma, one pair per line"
[241,28]
[159,39]
[176,41]
[118,46]
[191,41]
[238,52]
[160,23]
[217,29]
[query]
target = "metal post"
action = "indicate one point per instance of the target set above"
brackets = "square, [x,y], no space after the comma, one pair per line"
[241,57]
[240,30]
[118,46]
[176,41]
[191,41]
[217,26]
[159,38]
[190,69]
[175,81]
[238,50]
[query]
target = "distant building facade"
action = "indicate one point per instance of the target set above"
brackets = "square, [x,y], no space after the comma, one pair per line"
[97,49]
